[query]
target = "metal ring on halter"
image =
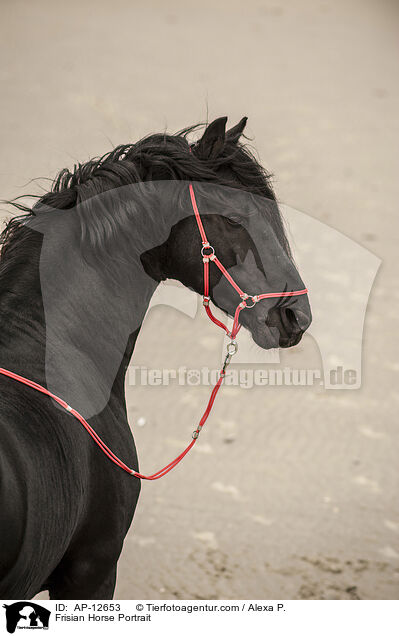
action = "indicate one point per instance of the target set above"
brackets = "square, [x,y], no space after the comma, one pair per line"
[254,301]
[207,247]
[233,344]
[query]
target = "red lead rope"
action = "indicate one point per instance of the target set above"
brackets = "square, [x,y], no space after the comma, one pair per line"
[231,350]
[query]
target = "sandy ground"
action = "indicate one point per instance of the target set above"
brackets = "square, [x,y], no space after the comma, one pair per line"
[291,493]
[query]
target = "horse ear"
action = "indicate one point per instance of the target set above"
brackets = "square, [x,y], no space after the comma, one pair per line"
[212,141]
[235,133]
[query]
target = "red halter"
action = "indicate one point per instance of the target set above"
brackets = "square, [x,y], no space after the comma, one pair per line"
[231,350]
[244,297]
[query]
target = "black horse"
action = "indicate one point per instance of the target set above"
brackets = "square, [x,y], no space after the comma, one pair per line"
[77,272]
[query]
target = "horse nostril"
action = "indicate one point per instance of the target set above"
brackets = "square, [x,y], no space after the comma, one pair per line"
[288,321]
[285,320]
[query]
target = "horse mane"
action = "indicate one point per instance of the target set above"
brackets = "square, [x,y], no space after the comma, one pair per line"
[155,157]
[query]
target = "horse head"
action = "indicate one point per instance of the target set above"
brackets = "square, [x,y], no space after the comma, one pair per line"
[244,226]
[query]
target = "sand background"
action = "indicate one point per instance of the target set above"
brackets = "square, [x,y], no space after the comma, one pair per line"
[292,493]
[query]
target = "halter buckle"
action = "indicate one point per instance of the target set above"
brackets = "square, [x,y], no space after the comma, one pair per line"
[205,301]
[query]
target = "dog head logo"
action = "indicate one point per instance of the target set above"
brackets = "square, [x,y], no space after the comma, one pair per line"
[26,616]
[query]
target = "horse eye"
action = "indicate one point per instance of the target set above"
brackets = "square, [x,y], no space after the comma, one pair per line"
[233,221]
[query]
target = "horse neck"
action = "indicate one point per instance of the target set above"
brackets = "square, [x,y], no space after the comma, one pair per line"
[67,325]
